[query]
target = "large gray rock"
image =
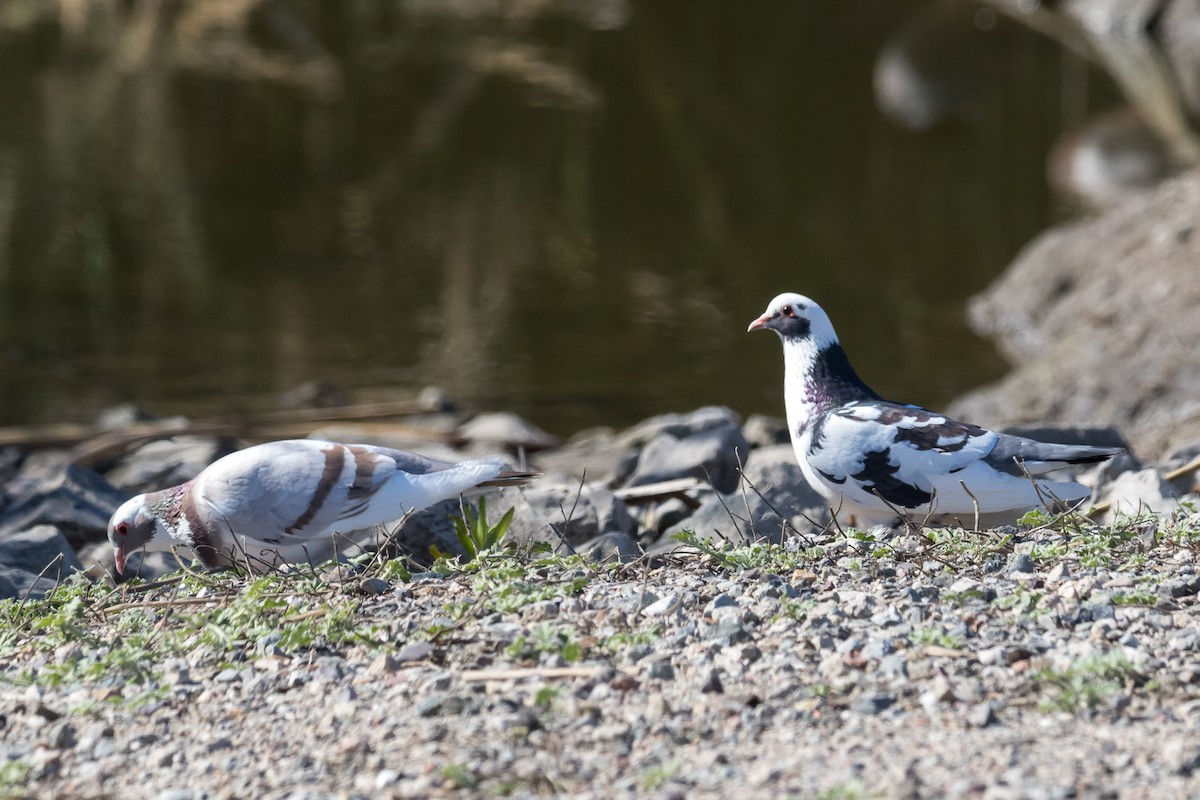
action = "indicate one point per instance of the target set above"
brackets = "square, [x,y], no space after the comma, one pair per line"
[772,502]
[42,549]
[99,563]
[656,518]
[167,462]
[577,513]
[593,454]
[713,456]
[679,425]
[8,589]
[536,522]
[764,431]
[1138,492]
[1100,318]
[541,515]
[34,562]
[10,462]
[73,499]
[666,429]
[150,566]
[773,472]
[17,584]
[1180,461]
[125,415]
[611,547]
[434,527]
[504,429]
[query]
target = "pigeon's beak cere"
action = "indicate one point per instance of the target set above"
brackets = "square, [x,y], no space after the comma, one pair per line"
[759,323]
[119,557]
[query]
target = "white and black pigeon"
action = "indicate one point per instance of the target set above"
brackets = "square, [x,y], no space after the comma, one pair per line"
[276,503]
[877,460]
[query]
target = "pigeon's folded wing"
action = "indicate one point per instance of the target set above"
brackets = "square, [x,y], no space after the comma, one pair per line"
[298,489]
[885,445]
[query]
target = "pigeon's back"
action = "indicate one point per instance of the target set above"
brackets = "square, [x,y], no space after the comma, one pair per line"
[305,488]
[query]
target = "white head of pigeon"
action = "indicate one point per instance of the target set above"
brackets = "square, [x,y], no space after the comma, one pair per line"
[131,528]
[796,317]
[876,460]
[817,373]
[283,502]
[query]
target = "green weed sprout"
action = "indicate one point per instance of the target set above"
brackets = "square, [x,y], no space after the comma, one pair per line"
[475,534]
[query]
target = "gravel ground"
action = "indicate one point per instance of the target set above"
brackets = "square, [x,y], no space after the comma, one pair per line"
[1056,661]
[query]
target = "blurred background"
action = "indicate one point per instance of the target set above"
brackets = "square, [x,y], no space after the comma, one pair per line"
[566,208]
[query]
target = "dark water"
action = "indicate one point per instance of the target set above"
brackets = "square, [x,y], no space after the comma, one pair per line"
[571,211]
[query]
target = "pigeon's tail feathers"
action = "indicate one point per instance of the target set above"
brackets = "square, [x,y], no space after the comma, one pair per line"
[1018,456]
[509,478]
[433,487]
[417,464]
[1098,454]
[1076,455]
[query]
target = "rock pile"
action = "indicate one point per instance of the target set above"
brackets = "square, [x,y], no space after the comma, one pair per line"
[607,493]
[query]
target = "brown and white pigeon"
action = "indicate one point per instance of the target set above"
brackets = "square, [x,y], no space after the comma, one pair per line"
[875,459]
[275,503]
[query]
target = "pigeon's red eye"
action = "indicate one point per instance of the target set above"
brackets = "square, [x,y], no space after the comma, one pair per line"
[788,311]
[122,528]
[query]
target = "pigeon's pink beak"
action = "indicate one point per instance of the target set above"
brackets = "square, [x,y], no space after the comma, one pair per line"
[759,323]
[119,557]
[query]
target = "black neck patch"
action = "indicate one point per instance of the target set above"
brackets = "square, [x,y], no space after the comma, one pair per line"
[833,381]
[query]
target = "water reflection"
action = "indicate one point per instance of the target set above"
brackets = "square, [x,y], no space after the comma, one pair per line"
[939,65]
[569,209]
[1152,54]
